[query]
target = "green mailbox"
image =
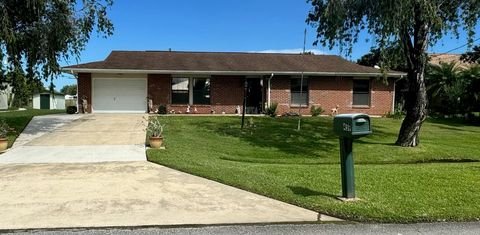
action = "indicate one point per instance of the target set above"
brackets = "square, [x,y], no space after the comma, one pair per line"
[353,125]
[349,127]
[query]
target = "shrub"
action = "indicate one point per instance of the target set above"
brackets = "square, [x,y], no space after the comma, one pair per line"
[316,111]
[4,129]
[398,113]
[272,110]
[162,109]
[71,109]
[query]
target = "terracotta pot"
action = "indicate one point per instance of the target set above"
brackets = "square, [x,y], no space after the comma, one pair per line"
[156,142]
[3,144]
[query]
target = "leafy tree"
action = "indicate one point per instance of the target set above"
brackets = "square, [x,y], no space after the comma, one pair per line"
[69,89]
[452,89]
[472,77]
[445,87]
[472,56]
[22,89]
[391,55]
[441,76]
[412,25]
[36,34]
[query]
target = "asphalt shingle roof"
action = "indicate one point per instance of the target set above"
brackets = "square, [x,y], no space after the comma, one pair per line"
[224,61]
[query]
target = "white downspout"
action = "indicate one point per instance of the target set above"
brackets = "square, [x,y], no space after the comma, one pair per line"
[393,98]
[269,90]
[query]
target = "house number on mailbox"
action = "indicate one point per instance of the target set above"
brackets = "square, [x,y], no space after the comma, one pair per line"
[347,127]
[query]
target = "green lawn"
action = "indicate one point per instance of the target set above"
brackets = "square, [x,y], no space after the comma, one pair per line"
[439,180]
[18,120]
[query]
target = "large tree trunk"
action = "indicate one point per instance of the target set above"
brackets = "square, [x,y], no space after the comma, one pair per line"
[416,101]
[415,106]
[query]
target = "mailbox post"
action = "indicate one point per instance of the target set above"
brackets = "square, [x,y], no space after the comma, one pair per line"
[349,127]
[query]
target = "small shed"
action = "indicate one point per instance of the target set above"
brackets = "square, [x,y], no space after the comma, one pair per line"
[48,101]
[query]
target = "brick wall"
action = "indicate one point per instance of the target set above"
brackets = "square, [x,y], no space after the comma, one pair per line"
[226,92]
[159,88]
[84,86]
[327,92]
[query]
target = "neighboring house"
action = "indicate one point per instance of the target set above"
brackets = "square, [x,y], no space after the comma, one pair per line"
[48,100]
[448,58]
[213,82]
[5,95]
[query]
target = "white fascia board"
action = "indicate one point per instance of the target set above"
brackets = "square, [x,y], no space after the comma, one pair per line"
[191,72]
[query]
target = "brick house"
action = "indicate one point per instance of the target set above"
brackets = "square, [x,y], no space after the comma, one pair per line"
[214,82]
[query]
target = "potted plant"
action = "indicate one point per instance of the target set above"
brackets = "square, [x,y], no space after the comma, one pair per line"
[4,129]
[155,132]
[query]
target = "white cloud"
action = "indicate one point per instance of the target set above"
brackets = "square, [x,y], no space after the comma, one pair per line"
[290,51]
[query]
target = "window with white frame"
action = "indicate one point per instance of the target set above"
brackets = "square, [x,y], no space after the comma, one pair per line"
[361,92]
[299,92]
[190,90]
[180,87]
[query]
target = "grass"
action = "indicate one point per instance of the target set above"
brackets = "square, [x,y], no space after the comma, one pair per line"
[18,120]
[437,181]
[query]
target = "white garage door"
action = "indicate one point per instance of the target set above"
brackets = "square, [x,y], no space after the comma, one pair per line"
[119,95]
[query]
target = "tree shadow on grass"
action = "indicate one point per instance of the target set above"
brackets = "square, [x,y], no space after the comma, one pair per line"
[306,192]
[315,139]
[457,122]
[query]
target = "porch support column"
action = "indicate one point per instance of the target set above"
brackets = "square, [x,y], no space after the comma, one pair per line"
[269,89]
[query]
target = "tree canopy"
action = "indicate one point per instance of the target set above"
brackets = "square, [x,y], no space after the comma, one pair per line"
[377,57]
[69,89]
[340,22]
[472,56]
[36,34]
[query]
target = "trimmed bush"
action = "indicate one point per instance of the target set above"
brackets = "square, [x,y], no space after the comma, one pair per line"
[272,110]
[316,111]
[71,109]
[162,109]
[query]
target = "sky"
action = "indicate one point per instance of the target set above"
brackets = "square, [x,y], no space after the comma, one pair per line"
[217,25]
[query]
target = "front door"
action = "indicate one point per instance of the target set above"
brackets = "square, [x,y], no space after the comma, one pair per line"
[254,96]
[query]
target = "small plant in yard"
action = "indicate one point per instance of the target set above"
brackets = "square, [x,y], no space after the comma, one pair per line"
[4,129]
[398,113]
[162,109]
[316,111]
[272,110]
[71,109]
[155,131]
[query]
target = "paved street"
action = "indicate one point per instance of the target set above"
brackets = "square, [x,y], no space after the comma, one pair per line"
[472,228]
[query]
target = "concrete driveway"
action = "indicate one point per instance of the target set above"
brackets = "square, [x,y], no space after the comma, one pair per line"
[80,138]
[127,194]
[82,179]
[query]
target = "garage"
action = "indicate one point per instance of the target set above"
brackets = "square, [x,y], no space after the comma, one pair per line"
[119,95]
